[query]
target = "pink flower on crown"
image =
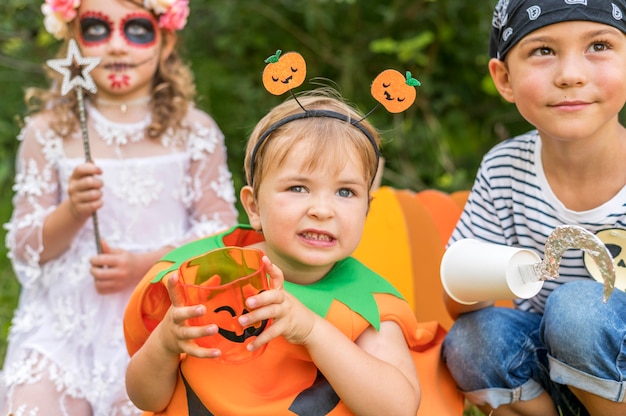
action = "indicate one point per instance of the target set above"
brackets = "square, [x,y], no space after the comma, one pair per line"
[57,13]
[175,17]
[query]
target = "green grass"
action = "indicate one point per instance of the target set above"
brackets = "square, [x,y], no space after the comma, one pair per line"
[472,411]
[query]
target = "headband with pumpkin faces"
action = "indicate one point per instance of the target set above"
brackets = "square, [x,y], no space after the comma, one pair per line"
[284,72]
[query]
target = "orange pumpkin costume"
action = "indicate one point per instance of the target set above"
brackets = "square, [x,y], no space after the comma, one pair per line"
[283,380]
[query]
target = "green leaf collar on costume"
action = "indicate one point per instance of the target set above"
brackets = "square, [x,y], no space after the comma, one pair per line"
[349,281]
[193,249]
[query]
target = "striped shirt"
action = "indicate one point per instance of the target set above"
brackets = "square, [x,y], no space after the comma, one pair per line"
[512,203]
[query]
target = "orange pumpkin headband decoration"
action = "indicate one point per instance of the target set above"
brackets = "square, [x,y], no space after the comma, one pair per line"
[284,72]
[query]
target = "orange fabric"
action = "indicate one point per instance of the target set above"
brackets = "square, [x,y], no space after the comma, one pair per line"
[273,381]
[387,236]
[385,246]
[145,309]
[460,197]
[440,396]
[427,251]
[445,212]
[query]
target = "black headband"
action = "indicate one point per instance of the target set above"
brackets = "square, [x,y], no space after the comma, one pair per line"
[309,114]
[514,19]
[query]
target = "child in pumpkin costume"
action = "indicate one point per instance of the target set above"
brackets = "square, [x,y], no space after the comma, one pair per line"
[342,340]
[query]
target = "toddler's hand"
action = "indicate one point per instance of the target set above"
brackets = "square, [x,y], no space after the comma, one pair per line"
[175,335]
[290,318]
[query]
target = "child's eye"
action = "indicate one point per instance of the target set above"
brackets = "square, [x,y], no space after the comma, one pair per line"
[599,46]
[297,188]
[543,51]
[94,30]
[139,30]
[345,193]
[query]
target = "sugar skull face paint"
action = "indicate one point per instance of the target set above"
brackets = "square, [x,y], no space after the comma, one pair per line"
[138,29]
[129,42]
[119,81]
[95,28]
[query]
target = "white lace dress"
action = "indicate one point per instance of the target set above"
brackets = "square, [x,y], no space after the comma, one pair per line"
[156,193]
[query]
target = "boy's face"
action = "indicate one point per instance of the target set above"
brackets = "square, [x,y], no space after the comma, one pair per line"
[127,38]
[310,220]
[566,79]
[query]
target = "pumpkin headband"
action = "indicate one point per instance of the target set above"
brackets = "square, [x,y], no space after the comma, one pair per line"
[172,14]
[390,88]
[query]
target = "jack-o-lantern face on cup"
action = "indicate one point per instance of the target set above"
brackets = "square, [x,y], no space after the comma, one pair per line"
[222,280]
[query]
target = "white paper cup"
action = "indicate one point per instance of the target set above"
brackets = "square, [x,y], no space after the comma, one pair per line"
[473,271]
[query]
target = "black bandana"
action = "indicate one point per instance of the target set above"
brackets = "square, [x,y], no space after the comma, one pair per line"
[514,19]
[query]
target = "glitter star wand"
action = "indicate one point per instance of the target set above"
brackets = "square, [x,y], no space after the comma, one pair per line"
[75,70]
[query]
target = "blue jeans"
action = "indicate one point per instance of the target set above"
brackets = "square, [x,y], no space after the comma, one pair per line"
[500,355]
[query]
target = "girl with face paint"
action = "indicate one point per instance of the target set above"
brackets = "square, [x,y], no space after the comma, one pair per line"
[158,180]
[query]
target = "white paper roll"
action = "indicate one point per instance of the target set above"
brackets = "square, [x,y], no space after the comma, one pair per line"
[474,271]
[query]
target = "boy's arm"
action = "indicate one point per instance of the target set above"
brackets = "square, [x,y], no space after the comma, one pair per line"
[455,309]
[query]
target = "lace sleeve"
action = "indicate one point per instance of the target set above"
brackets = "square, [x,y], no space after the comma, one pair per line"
[36,194]
[210,191]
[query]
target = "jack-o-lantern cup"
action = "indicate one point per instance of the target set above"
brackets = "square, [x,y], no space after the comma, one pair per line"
[222,279]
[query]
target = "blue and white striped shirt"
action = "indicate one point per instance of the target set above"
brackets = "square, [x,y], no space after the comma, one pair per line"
[512,203]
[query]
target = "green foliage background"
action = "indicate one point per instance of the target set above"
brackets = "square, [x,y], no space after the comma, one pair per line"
[437,143]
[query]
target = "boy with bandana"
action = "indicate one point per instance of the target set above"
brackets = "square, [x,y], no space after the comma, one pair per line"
[563,64]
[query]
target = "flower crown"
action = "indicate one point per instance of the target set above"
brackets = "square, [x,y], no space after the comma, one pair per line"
[172,14]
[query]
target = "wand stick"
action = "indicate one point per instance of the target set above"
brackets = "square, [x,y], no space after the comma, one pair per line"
[83,125]
[68,67]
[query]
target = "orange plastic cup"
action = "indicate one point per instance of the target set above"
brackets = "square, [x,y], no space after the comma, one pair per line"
[222,279]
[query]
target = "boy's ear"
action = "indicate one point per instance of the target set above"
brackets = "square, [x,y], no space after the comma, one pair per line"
[246,197]
[500,75]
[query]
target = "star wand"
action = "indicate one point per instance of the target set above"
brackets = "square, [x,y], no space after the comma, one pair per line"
[75,70]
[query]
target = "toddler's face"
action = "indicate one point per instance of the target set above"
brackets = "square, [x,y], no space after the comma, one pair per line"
[128,40]
[311,218]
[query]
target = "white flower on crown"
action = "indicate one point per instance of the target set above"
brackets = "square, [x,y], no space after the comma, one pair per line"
[57,13]
[54,25]
[158,6]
